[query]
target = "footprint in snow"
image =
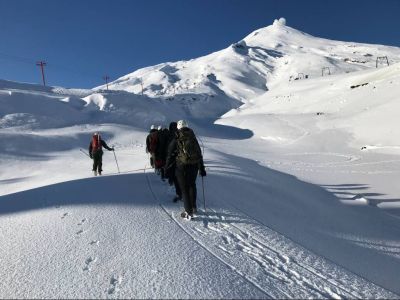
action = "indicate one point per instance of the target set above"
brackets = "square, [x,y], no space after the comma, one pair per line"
[64,215]
[92,243]
[88,261]
[82,222]
[114,282]
[79,232]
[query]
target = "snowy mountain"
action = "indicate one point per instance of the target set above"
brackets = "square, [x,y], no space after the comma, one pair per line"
[300,200]
[267,57]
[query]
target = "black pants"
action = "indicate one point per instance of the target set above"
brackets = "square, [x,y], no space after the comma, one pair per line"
[186,176]
[151,162]
[172,180]
[97,161]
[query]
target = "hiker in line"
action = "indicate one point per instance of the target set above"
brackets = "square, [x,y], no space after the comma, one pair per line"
[155,149]
[148,139]
[170,169]
[162,149]
[96,152]
[185,151]
[152,146]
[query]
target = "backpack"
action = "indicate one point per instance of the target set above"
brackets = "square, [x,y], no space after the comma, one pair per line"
[153,142]
[189,151]
[96,143]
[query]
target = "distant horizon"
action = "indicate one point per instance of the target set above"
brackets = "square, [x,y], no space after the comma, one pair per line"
[81,42]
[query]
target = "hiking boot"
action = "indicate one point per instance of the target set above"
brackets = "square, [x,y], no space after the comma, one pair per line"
[176,198]
[186,216]
[95,173]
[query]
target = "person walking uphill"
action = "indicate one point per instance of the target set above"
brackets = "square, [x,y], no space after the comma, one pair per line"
[96,152]
[185,150]
[170,164]
[150,144]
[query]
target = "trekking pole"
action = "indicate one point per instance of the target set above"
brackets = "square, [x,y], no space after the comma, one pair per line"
[116,160]
[204,198]
[84,152]
[202,145]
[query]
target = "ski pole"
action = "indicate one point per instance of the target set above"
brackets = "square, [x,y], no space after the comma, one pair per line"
[116,160]
[84,152]
[204,198]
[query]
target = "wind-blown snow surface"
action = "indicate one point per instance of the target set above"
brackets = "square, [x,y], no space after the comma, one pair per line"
[301,188]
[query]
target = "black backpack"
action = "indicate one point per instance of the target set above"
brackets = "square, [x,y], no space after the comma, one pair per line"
[189,151]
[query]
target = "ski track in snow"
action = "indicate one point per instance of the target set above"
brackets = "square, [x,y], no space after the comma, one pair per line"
[272,263]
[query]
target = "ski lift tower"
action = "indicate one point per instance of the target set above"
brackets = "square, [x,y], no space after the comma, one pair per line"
[382,59]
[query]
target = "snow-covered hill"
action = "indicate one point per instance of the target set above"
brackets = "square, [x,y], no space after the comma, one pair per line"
[301,193]
[246,69]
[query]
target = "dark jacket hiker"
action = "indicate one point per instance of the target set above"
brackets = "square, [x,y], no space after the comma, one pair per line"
[151,143]
[172,180]
[185,153]
[96,152]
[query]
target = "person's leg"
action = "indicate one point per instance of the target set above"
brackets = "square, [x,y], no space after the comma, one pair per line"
[94,164]
[162,174]
[100,167]
[151,161]
[97,159]
[191,183]
[178,190]
[182,181]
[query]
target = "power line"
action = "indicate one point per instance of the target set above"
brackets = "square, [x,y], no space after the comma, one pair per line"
[18,58]
[55,67]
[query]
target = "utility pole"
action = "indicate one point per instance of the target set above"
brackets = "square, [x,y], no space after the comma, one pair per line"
[106,77]
[381,58]
[42,64]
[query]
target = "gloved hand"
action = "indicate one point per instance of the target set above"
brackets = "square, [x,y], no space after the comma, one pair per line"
[112,149]
[91,156]
[202,171]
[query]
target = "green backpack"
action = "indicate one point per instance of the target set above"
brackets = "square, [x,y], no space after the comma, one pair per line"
[189,152]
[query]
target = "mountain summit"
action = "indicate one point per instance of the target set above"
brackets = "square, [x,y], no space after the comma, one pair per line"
[248,68]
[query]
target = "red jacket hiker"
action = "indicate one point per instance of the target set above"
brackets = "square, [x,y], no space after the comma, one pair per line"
[96,152]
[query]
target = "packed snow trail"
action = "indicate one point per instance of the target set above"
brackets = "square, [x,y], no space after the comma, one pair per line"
[271,262]
[104,237]
[122,237]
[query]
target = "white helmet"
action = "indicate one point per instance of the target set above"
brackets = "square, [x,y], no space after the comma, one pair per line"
[153,127]
[159,127]
[181,124]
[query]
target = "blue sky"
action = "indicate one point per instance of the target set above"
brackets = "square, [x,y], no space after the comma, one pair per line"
[82,40]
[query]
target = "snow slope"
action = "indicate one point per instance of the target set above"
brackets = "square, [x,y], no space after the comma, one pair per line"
[250,67]
[301,192]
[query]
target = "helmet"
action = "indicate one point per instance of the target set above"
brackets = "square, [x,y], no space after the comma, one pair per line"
[181,124]
[159,127]
[153,127]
